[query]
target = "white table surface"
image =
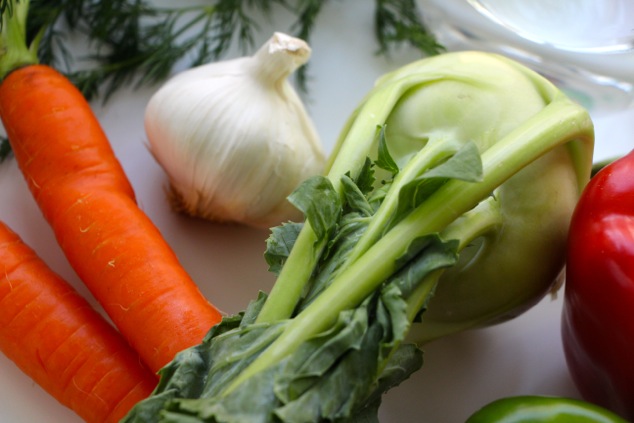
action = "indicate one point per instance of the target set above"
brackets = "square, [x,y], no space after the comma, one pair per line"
[461,373]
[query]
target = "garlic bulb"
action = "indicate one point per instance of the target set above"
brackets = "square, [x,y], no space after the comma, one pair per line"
[234,137]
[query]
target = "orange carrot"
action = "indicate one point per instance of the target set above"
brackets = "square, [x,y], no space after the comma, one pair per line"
[87,199]
[54,336]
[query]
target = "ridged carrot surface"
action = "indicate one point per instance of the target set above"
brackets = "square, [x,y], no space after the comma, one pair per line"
[54,336]
[84,194]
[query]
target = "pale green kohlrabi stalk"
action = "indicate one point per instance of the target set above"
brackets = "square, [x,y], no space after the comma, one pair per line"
[448,192]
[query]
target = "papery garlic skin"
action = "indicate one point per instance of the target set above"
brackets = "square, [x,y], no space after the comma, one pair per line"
[234,137]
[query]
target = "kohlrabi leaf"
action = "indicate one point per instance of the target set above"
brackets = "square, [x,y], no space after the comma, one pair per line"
[350,229]
[279,245]
[334,375]
[424,255]
[404,361]
[465,165]
[319,202]
[384,159]
[413,193]
[355,198]
[365,180]
[353,222]
[199,371]
[331,377]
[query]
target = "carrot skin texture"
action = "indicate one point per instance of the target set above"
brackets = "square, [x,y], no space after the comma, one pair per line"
[55,337]
[87,199]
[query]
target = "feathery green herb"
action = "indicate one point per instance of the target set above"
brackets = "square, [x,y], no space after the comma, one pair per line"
[138,43]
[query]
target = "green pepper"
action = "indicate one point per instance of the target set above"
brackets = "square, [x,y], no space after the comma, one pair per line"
[542,409]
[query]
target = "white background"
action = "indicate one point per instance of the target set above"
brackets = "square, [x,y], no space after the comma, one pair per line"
[460,374]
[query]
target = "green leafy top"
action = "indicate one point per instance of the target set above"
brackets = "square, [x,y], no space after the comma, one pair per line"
[335,373]
[136,42]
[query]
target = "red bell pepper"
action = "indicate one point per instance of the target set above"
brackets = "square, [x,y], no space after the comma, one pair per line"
[598,315]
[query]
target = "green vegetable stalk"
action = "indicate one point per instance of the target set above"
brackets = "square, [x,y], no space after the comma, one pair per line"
[446,202]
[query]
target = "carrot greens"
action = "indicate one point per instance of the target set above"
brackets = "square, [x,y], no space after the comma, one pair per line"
[444,207]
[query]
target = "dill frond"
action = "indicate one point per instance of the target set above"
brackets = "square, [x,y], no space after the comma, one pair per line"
[135,43]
